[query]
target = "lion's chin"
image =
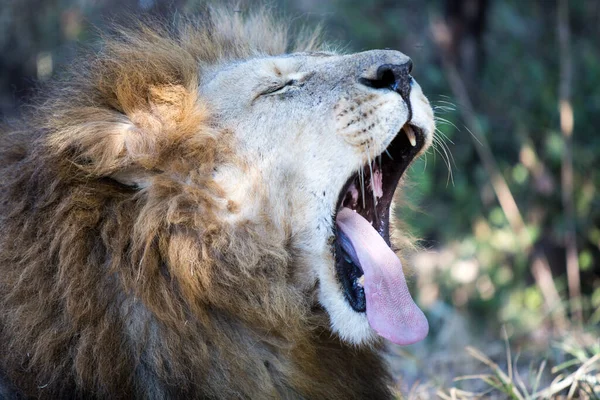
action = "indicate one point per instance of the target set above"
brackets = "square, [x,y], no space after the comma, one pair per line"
[367,270]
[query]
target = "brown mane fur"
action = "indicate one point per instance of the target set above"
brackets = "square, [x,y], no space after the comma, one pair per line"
[109,291]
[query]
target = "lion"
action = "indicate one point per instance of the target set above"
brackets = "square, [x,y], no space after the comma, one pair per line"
[201,209]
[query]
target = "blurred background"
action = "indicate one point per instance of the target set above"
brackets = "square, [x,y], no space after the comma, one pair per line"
[505,205]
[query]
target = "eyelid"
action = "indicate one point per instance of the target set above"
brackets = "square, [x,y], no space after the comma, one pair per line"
[295,79]
[275,88]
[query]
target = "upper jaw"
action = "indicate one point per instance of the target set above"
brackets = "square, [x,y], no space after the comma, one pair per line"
[393,161]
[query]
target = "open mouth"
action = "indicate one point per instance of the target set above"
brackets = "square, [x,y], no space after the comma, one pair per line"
[369,272]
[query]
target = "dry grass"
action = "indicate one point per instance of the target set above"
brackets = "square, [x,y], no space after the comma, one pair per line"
[571,371]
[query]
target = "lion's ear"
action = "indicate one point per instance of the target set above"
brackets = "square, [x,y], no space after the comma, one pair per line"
[136,136]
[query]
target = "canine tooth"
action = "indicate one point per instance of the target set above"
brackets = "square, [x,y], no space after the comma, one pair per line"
[410,134]
[361,280]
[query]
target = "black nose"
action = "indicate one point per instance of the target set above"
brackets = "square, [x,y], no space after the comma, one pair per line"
[394,77]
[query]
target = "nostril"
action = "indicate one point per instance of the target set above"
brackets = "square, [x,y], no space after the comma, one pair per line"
[395,77]
[385,79]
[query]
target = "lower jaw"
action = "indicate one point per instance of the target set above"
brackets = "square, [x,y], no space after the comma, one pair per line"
[349,273]
[375,211]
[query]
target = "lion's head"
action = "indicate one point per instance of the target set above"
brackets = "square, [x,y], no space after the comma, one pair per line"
[324,139]
[321,135]
[214,174]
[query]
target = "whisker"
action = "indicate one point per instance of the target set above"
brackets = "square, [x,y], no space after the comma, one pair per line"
[450,176]
[445,121]
[441,140]
[445,97]
[433,144]
[450,152]
[442,136]
[437,145]
[447,106]
[444,109]
[449,103]
[473,135]
[447,157]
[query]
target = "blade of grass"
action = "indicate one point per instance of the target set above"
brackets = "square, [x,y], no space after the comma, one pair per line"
[579,373]
[508,355]
[561,383]
[538,377]
[565,365]
[518,379]
[507,385]
[470,377]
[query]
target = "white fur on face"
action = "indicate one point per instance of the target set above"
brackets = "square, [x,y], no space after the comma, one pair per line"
[304,124]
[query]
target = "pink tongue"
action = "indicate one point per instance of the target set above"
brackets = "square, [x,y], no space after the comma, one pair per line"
[391,311]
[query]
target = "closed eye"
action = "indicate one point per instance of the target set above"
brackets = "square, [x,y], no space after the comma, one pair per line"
[279,88]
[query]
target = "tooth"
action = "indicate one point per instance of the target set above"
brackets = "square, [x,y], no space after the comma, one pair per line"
[361,280]
[410,134]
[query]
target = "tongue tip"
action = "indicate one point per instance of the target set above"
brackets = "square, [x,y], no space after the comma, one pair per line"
[391,311]
[405,334]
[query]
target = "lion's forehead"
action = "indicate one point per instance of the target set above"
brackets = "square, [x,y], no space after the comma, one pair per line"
[261,66]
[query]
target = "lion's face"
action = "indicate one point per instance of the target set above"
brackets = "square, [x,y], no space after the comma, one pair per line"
[322,141]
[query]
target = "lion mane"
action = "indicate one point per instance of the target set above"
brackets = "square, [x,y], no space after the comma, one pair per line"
[112,289]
